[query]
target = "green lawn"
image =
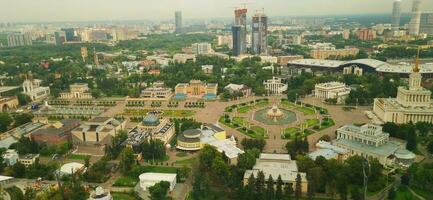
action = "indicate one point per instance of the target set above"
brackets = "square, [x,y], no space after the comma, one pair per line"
[125,181]
[15,192]
[290,132]
[240,121]
[249,107]
[78,157]
[305,110]
[178,113]
[181,154]
[254,135]
[426,194]
[186,161]
[259,130]
[327,123]
[122,196]
[312,122]
[161,169]
[403,193]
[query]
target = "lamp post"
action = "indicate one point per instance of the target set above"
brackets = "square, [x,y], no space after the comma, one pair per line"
[366,175]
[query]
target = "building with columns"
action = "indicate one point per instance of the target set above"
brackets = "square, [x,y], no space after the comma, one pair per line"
[33,89]
[275,86]
[412,104]
[369,141]
[77,91]
[332,90]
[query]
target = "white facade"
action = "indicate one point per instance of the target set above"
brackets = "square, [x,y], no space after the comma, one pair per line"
[33,89]
[275,86]
[150,179]
[77,91]
[332,90]
[202,48]
[73,167]
[369,141]
[183,58]
[100,194]
[412,104]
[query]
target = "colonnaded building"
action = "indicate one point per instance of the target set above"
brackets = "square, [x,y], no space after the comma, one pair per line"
[413,103]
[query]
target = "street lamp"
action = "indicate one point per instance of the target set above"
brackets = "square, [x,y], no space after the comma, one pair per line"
[366,175]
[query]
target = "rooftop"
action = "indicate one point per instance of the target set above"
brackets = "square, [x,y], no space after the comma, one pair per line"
[385,150]
[157,176]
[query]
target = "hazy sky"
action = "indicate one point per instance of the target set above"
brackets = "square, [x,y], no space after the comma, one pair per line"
[81,10]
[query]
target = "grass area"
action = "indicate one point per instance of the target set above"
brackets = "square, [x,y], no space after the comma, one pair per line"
[125,181]
[305,110]
[15,192]
[259,130]
[312,122]
[426,194]
[249,107]
[403,193]
[186,161]
[326,123]
[78,157]
[165,113]
[166,158]
[240,121]
[252,133]
[178,113]
[181,154]
[161,169]
[122,196]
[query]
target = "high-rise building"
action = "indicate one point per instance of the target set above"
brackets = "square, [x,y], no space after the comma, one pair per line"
[260,34]
[241,20]
[60,37]
[366,34]
[201,48]
[19,39]
[415,18]
[178,21]
[396,11]
[426,23]
[69,34]
[237,35]
[84,54]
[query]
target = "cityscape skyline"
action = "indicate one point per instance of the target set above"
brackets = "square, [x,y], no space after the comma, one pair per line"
[48,10]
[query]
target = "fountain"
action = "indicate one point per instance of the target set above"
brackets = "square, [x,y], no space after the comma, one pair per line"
[274,116]
[274,113]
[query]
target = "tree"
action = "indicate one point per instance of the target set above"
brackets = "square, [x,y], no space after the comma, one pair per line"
[250,187]
[248,159]
[260,184]
[270,192]
[22,118]
[5,121]
[127,160]
[411,139]
[288,191]
[25,146]
[356,193]
[298,188]
[405,179]
[87,162]
[206,157]
[253,144]
[159,191]
[430,147]
[279,189]
[23,99]
[18,170]
[392,194]
[153,150]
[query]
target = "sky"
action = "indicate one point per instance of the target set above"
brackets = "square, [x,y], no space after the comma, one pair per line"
[90,10]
